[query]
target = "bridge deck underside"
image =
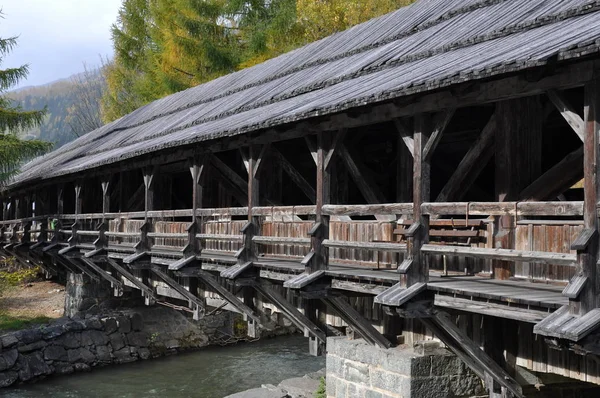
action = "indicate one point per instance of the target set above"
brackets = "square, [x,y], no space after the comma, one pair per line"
[518,293]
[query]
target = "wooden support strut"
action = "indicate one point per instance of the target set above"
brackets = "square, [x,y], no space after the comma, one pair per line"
[148,292]
[588,258]
[471,354]
[195,303]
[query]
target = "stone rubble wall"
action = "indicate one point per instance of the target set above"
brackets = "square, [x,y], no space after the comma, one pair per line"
[75,345]
[356,369]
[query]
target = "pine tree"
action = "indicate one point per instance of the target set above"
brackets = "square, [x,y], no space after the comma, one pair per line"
[13,120]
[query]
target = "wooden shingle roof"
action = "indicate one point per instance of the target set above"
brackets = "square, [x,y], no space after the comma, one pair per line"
[431,44]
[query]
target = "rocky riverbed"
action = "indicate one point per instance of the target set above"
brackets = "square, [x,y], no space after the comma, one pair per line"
[297,387]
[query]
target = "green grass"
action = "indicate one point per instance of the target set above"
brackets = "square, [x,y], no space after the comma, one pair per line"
[321,392]
[10,322]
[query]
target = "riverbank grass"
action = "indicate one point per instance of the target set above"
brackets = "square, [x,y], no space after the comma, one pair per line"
[12,322]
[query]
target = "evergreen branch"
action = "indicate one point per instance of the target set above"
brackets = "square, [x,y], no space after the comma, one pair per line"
[11,77]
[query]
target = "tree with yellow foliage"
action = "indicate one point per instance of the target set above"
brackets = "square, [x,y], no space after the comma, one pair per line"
[165,46]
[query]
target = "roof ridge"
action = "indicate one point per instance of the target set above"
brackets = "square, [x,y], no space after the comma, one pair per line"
[593,5]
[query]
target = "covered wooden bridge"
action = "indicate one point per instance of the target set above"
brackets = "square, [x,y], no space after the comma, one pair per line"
[415,175]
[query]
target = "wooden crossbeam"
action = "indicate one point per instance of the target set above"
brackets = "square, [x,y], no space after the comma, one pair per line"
[231,180]
[377,246]
[470,353]
[556,180]
[295,175]
[567,112]
[361,176]
[566,259]
[471,165]
[357,322]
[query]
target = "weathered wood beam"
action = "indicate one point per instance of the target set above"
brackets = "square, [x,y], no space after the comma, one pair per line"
[312,147]
[338,139]
[568,113]
[557,180]
[323,197]
[149,174]
[78,198]
[405,135]
[148,292]
[237,186]
[195,303]
[290,311]
[198,167]
[566,259]
[520,209]
[361,176]
[404,171]
[419,270]
[588,259]
[518,160]
[367,210]
[460,95]
[211,282]
[471,165]
[294,174]
[470,353]
[137,196]
[105,195]
[357,322]
[438,131]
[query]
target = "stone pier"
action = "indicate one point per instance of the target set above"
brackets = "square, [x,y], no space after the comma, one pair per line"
[356,369]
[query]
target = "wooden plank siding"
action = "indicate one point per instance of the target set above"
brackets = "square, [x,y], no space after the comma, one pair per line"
[548,238]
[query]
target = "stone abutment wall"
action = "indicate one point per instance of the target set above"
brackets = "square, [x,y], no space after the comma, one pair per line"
[357,369]
[75,345]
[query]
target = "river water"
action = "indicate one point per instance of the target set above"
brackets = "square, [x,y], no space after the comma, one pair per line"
[210,373]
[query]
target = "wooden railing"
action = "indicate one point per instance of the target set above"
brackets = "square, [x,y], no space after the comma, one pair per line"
[460,235]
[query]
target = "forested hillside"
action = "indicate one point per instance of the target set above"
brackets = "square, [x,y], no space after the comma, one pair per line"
[73,107]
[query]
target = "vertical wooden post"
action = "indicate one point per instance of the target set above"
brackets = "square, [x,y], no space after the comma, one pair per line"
[518,163]
[148,191]
[404,172]
[323,198]
[41,209]
[78,211]
[78,199]
[105,195]
[197,171]
[60,200]
[591,169]
[18,211]
[252,229]
[419,271]
[60,209]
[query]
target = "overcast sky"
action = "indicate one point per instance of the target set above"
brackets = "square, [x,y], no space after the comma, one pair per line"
[57,36]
